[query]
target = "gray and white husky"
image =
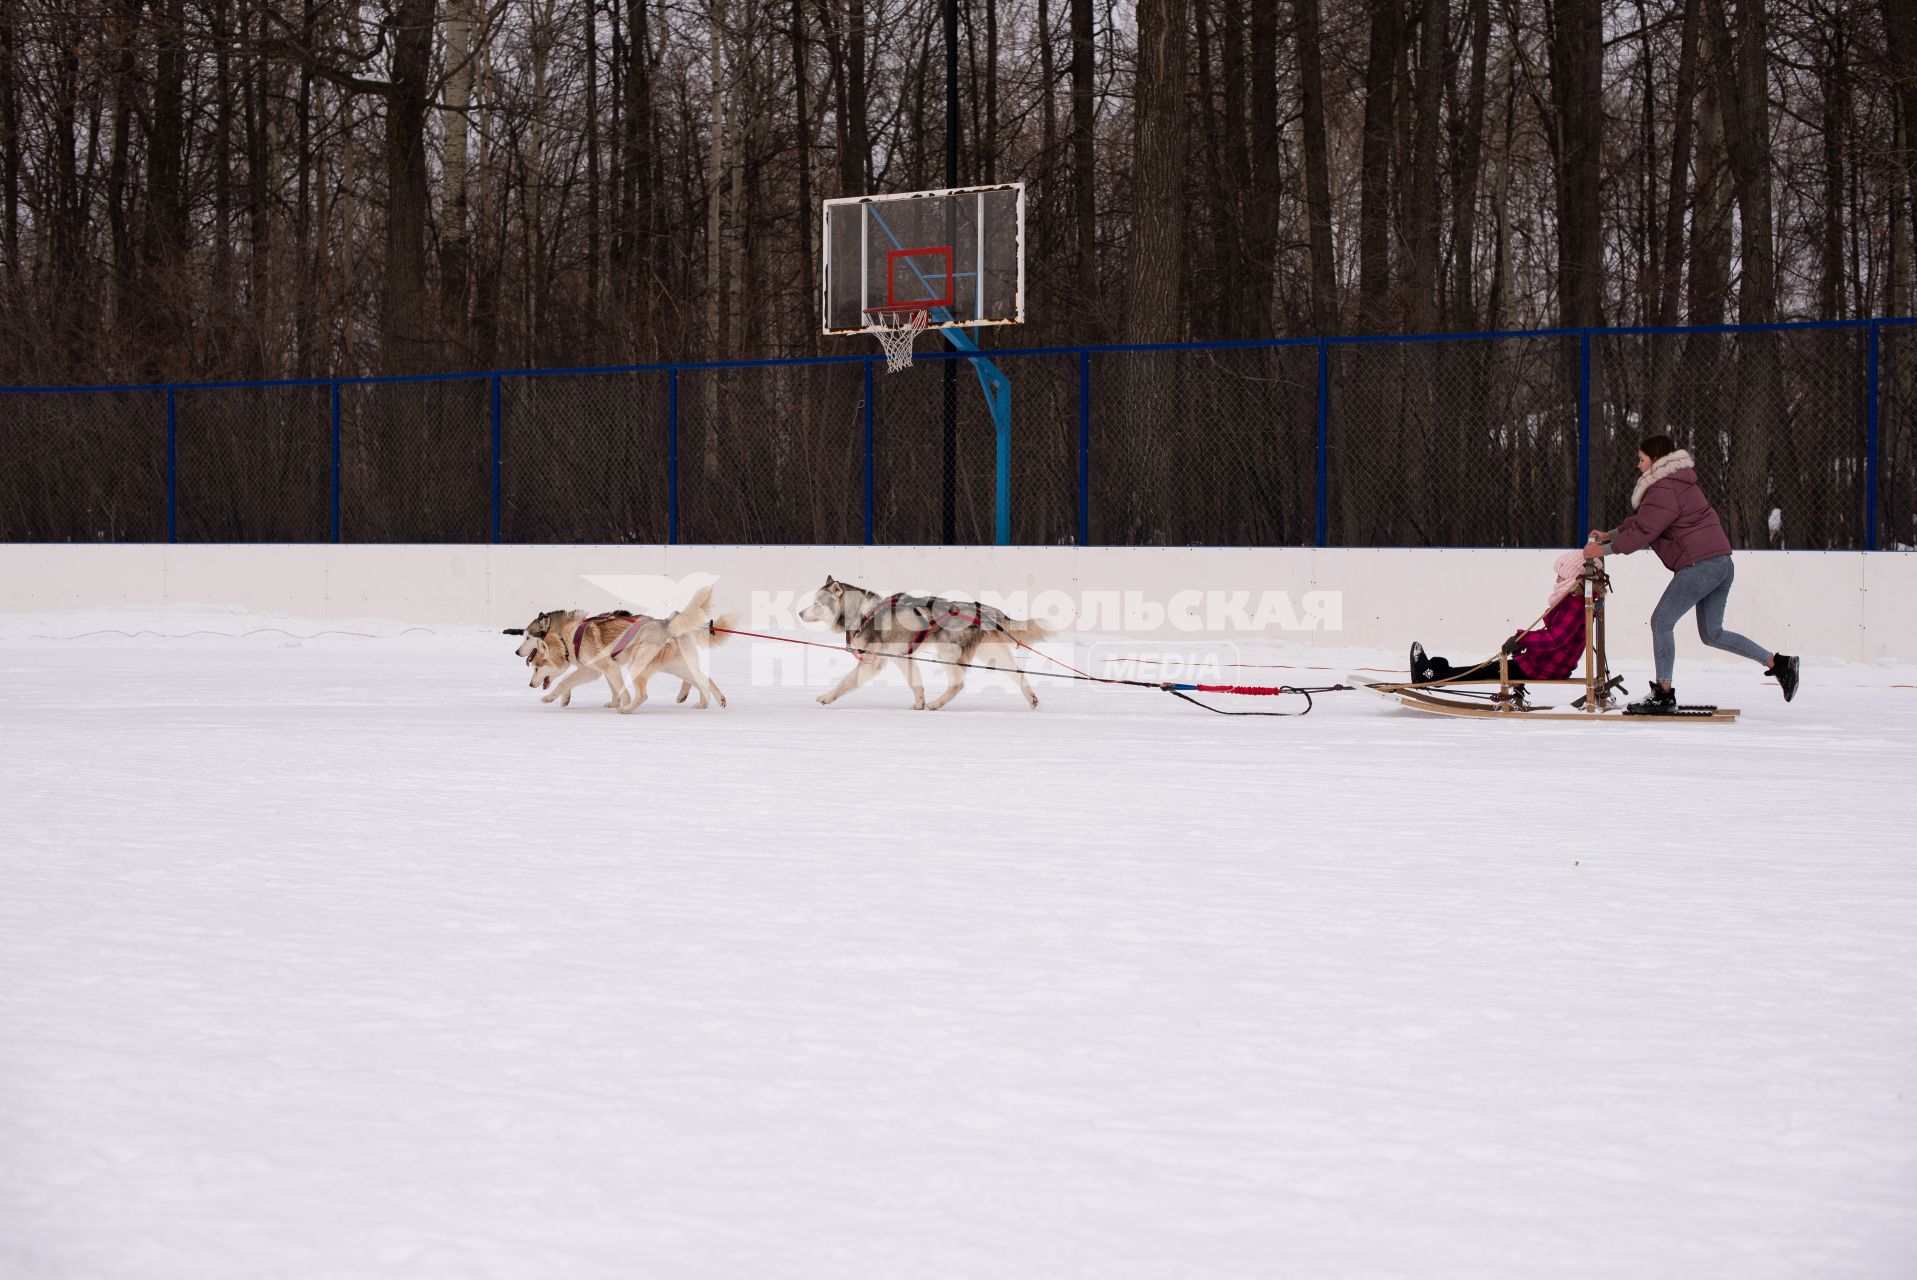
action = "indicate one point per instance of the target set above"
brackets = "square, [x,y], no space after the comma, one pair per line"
[903,628]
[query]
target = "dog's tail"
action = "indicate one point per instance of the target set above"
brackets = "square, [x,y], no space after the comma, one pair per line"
[693,620]
[721,629]
[1028,631]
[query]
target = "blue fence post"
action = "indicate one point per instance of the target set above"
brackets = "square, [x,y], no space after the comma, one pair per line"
[172,470]
[672,456]
[496,457]
[1584,433]
[870,519]
[335,415]
[1872,343]
[1324,442]
[1084,447]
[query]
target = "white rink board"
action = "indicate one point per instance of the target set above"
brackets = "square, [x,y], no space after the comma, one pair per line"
[1852,606]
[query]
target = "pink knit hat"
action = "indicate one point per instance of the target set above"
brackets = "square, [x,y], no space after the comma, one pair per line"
[1569,567]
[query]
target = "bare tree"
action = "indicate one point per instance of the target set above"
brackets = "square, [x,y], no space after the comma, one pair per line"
[1576,48]
[1084,170]
[1380,125]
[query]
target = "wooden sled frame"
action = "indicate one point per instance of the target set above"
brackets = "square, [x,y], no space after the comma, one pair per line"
[1508,702]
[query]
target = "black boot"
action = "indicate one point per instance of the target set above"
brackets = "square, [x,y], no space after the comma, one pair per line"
[1658,702]
[1784,671]
[1420,668]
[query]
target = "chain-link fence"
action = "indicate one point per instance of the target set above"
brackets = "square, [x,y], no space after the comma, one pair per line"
[84,466]
[1805,436]
[253,464]
[417,461]
[771,453]
[582,457]
[1776,420]
[908,452]
[1204,447]
[1455,443]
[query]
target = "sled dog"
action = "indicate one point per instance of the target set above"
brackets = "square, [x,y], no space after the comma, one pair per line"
[574,648]
[901,628]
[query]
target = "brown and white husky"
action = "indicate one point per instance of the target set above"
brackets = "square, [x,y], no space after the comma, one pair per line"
[575,648]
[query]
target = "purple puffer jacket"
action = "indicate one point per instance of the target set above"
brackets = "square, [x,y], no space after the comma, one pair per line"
[1673,518]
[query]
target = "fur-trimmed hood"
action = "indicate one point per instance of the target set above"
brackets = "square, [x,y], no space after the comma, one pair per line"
[1668,465]
[1671,515]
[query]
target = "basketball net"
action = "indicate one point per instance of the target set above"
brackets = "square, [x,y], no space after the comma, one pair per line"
[896,330]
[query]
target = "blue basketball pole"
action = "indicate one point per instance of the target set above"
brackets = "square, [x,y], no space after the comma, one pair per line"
[998,398]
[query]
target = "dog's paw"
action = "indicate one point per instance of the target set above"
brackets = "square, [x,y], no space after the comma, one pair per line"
[824,699]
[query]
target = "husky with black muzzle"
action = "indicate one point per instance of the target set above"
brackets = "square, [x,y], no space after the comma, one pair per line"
[905,628]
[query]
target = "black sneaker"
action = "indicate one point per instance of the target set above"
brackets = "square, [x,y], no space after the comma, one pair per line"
[1658,702]
[1784,671]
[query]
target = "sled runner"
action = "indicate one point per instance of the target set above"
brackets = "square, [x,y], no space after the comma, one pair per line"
[1425,698]
[1600,697]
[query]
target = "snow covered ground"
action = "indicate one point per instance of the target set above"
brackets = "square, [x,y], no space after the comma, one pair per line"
[344,957]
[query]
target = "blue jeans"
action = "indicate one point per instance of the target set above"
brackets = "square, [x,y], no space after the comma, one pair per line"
[1705,586]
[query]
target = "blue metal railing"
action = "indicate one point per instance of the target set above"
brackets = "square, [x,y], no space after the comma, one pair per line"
[1080,523]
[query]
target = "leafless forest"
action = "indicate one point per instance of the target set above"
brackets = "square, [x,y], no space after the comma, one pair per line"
[263,188]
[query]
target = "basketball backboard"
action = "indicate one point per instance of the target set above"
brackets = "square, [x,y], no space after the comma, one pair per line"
[958,254]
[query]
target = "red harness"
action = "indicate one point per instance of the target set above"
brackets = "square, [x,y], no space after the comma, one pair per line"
[918,638]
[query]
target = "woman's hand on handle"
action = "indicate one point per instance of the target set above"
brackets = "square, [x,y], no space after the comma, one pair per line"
[1594,550]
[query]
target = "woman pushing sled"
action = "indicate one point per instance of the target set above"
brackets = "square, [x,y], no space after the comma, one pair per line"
[1671,516]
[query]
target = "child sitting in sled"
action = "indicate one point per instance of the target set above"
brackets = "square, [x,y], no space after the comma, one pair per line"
[1551,652]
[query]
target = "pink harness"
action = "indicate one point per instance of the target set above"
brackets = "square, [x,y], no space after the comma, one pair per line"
[638,625]
[579,633]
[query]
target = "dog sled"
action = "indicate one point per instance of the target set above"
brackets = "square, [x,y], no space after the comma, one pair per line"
[1600,696]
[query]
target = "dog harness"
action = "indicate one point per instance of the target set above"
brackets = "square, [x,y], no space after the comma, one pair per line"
[637,624]
[975,618]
